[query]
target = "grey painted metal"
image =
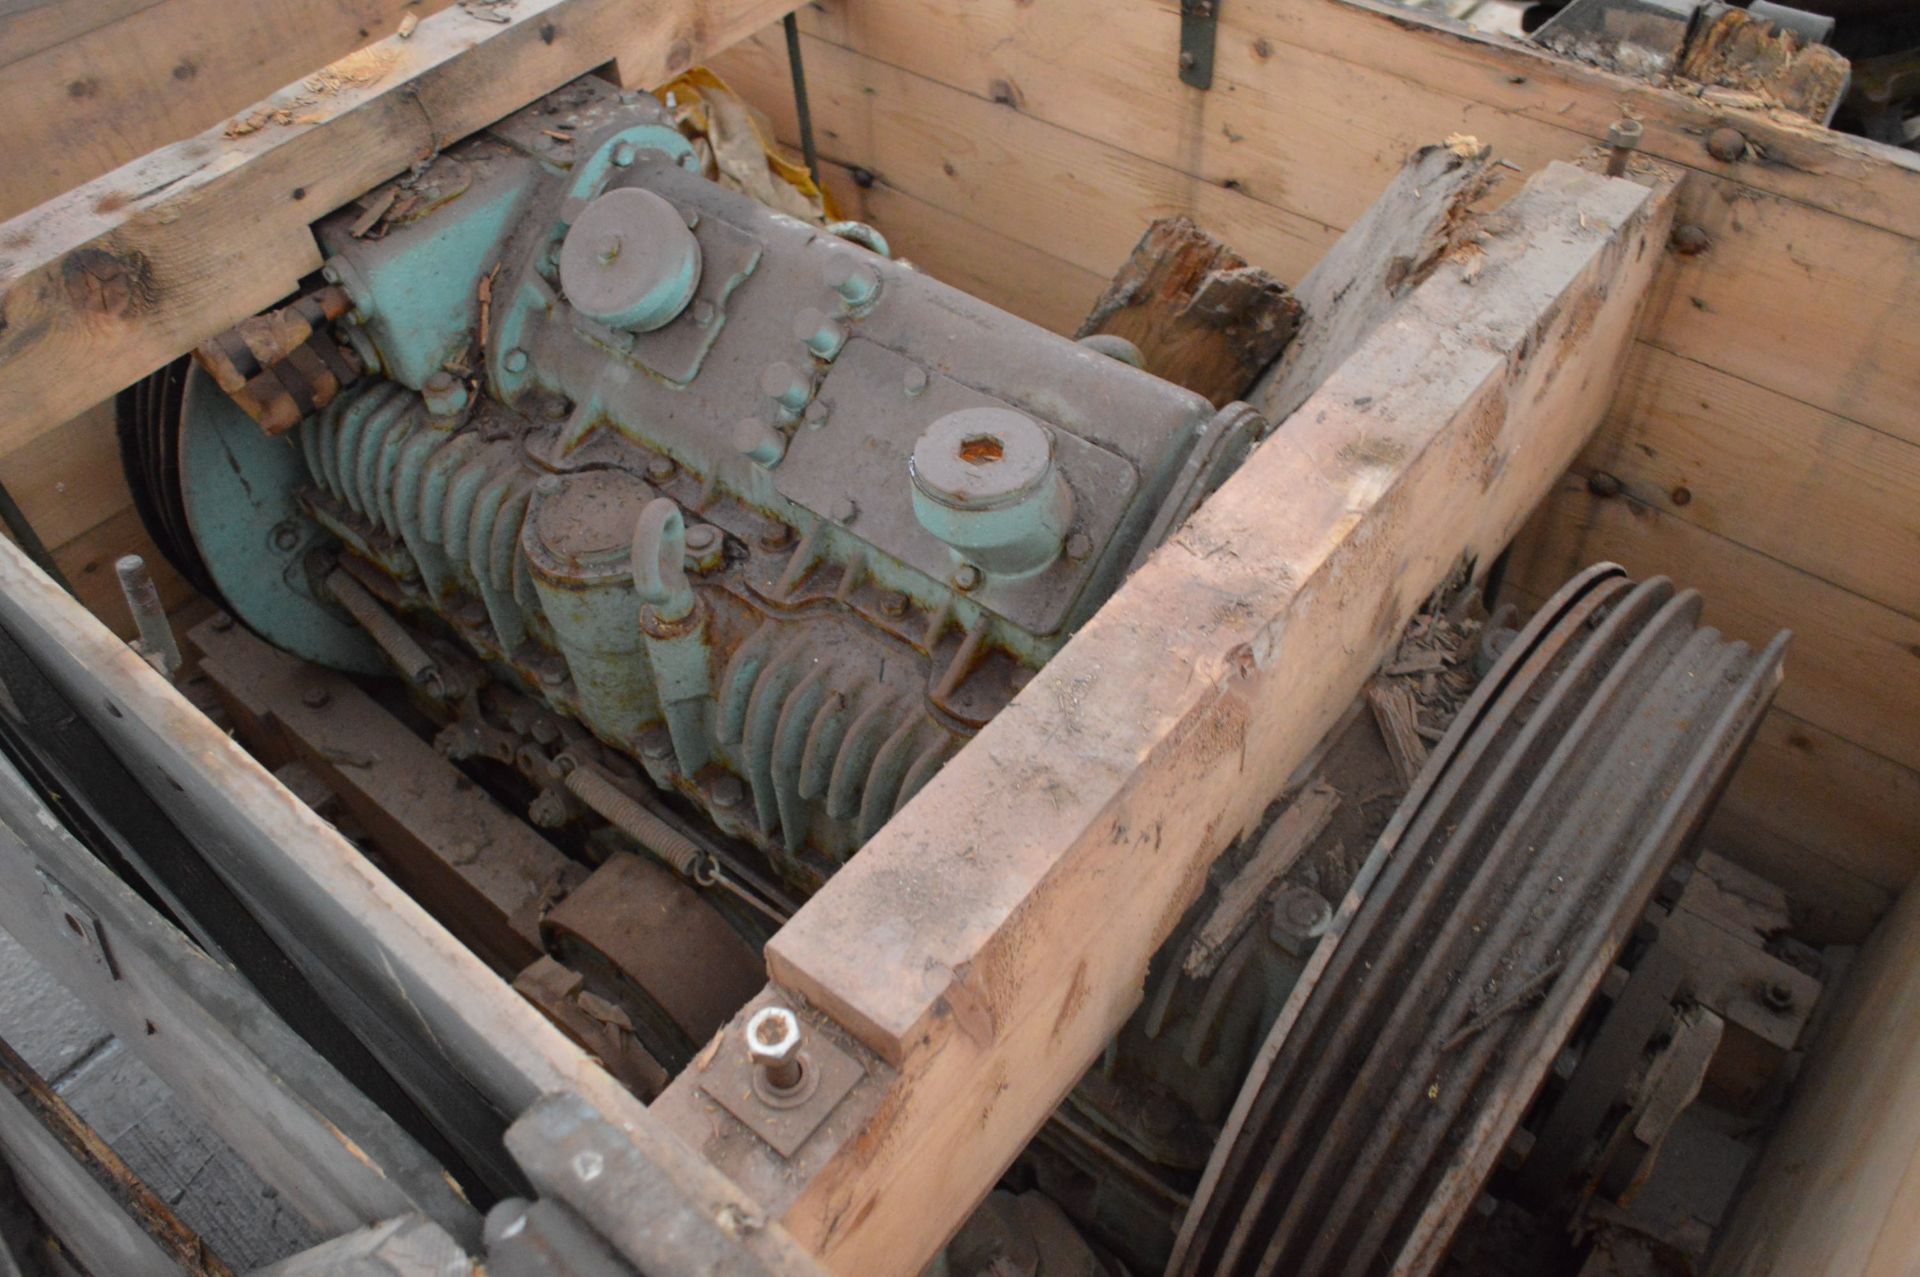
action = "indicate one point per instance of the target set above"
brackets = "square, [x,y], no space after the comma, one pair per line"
[149,617]
[1477,932]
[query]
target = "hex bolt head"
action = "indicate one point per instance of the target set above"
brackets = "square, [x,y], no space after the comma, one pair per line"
[815,416]
[843,510]
[967,578]
[773,1044]
[661,468]
[915,382]
[516,360]
[286,537]
[893,603]
[623,155]
[1726,145]
[819,332]
[1623,139]
[1079,546]
[704,312]
[702,537]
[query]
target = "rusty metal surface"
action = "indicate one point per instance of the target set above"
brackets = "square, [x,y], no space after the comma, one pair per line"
[648,943]
[785,1119]
[1480,927]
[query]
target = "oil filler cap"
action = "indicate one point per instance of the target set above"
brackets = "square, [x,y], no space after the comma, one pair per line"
[630,261]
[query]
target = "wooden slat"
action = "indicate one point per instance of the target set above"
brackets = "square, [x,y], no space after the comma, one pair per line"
[308,883]
[113,279]
[997,932]
[1835,499]
[90,85]
[1837,1193]
[1317,102]
[1854,667]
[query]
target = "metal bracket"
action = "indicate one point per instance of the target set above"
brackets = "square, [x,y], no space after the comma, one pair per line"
[1199,21]
[78,923]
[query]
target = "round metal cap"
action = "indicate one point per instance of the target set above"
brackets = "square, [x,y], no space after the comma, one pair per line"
[979,458]
[630,261]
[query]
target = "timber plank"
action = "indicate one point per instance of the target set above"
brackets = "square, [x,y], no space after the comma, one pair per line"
[141,76]
[997,931]
[1853,665]
[109,281]
[1791,230]
[308,883]
[1834,498]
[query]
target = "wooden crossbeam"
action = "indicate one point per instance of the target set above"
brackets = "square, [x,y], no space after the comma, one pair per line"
[995,935]
[111,280]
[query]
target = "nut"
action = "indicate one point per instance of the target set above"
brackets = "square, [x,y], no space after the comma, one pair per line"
[773,1044]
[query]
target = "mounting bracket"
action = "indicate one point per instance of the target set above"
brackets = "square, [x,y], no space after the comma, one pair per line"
[1199,21]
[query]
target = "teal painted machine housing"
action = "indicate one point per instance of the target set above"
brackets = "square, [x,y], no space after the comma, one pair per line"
[785,541]
[416,290]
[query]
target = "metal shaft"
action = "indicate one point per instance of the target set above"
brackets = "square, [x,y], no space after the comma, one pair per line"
[149,617]
[380,626]
[802,112]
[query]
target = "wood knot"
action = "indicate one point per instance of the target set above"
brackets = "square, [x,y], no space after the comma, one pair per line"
[101,283]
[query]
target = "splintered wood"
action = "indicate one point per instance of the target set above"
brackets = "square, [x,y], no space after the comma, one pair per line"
[1198,313]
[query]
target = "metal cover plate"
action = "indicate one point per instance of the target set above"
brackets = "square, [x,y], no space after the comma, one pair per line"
[728,1081]
[861,454]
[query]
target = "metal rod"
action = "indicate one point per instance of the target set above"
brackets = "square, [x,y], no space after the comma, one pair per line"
[800,108]
[21,529]
[149,616]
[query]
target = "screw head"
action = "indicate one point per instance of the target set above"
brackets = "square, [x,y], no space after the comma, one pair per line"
[661,468]
[967,578]
[702,537]
[1602,484]
[1726,145]
[315,697]
[773,1035]
[516,360]
[1079,546]
[286,538]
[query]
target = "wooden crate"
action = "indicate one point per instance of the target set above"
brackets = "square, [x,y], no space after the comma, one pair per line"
[1761,443]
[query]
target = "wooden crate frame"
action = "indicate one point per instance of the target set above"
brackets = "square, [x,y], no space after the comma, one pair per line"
[980,1016]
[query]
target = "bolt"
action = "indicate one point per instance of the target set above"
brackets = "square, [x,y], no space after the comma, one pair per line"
[916,382]
[1602,484]
[1623,139]
[786,386]
[779,538]
[691,217]
[704,312]
[758,441]
[819,333]
[623,155]
[286,538]
[1186,59]
[816,415]
[444,394]
[660,469]
[728,793]
[149,615]
[893,603]
[843,510]
[656,745]
[1682,496]
[587,1165]
[608,249]
[967,578]
[548,485]
[316,697]
[702,537]
[1690,241]
[330,274]
[855,281]
[222,622]
[773,1044]
[1726,145]
[516,360]
[1079,546]
[1778,997]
